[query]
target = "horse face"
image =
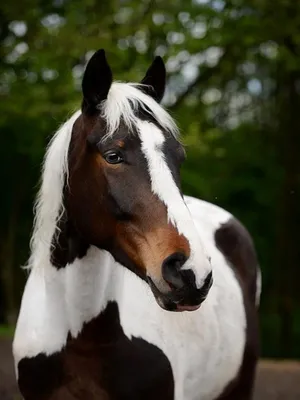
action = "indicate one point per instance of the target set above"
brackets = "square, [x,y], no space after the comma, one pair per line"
[125,192]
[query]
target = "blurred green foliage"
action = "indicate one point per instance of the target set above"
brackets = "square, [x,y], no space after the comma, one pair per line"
[233,87]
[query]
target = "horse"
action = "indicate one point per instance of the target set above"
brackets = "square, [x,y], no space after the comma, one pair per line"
[135,291]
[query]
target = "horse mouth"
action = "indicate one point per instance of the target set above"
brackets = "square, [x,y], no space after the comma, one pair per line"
[181,308]
[173,301]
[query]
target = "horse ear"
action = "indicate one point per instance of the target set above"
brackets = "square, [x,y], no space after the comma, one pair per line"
[155,79]
[96,82]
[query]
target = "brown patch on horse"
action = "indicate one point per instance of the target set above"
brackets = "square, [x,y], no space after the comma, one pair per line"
[234,241]
[150,247]
[100,363]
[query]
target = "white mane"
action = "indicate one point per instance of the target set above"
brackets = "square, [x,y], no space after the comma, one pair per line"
[48,206]
[122,102]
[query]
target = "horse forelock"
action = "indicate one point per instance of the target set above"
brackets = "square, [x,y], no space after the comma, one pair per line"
[123,103]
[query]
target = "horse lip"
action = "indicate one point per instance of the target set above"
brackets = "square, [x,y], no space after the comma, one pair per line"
[157,292]
[188,308]
[173,297]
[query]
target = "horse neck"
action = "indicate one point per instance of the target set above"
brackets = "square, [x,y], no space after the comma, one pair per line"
[90,283]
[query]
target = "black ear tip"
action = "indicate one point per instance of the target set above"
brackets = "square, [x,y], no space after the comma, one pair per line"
[99,54]
[98,57]
[159,61]
[155,79]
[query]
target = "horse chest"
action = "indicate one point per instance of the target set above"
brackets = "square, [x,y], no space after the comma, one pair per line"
[101,363]
[205,348]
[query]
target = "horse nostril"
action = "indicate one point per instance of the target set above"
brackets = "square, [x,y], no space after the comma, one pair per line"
[173,277]
[171,270]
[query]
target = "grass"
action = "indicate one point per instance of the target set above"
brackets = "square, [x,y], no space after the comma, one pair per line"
[6,331]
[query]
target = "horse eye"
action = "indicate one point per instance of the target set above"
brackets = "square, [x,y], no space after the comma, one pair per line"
[112,157]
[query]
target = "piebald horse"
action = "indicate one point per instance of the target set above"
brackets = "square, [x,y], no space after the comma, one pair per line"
[135,291]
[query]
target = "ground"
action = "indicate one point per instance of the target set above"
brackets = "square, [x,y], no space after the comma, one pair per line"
[275,380]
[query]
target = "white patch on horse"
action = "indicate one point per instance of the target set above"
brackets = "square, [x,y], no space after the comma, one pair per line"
[42,326]
[165,188]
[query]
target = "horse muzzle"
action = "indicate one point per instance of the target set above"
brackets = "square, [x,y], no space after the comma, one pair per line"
[182,293]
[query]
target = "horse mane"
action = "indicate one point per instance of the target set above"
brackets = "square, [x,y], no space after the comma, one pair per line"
[49,202]
[122,103]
